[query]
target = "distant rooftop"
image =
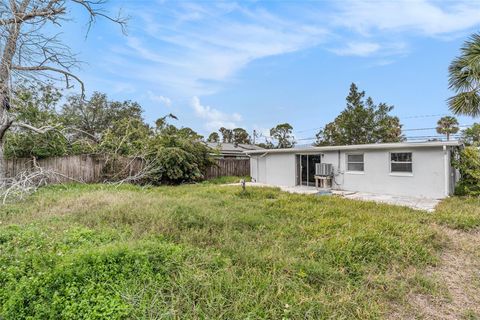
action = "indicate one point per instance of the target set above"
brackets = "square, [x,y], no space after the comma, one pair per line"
[233,148]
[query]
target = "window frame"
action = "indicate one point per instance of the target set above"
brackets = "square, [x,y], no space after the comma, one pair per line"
[400,173]
[355,162]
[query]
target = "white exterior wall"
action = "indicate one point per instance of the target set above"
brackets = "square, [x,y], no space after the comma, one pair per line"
[427,179]
[277,169]
[254,167]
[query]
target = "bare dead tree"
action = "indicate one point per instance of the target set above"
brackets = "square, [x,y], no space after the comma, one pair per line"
[29,50]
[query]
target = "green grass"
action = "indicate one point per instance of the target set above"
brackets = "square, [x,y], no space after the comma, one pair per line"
[459,213]
[226,180]
[211,252]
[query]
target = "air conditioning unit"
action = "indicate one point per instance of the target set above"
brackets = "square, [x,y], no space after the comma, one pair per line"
[324,169]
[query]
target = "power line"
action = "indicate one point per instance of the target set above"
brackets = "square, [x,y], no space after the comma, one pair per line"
[401,117]
[420,129]
[425,116]
[413,137]
[411,129]
[406,137]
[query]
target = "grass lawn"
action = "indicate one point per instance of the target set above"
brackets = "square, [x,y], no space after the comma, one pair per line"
[211,252]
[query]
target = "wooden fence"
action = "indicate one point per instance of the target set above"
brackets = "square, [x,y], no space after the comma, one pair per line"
[98,168]
[84,168]
[229,167]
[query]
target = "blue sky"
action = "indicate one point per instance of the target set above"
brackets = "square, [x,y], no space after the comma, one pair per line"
[254,64]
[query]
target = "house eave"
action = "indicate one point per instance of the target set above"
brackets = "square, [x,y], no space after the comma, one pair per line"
[376,146]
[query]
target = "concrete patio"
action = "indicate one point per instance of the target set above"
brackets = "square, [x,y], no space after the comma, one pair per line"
[424,204]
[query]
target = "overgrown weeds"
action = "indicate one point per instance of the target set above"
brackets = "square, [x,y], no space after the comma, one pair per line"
[205,251]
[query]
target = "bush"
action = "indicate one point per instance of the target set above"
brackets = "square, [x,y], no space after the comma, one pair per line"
[468,163]
[177,157]
[83,284]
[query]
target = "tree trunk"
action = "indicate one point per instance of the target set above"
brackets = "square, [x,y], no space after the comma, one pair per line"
[448,136]
[3,169]
[5,123]
[5,72]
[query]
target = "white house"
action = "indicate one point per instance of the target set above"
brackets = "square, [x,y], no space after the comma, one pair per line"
[420,169]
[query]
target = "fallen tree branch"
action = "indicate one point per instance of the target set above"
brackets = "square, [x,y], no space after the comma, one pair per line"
[143,174]
[28,182]
[40,130]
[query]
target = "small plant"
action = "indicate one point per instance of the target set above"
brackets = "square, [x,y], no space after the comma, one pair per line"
[468,163]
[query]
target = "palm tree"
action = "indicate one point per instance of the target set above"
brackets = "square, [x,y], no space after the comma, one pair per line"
[447,125]
[464,79]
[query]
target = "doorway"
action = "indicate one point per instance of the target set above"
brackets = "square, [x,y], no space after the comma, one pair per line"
[306,168]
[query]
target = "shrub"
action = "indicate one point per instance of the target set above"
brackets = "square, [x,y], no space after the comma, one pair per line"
[85,284]
[177,157]
[468,163]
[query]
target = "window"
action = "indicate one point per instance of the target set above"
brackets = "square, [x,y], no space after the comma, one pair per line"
[355,162]
[401,162]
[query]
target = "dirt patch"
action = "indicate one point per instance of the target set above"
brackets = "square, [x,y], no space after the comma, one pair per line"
[458,272]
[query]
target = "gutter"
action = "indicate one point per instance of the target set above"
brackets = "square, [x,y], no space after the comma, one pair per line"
[376,146]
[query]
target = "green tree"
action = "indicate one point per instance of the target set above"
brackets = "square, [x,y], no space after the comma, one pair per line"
[162,125]
[282,133]
[128,137]
[171,154]
[32,48]
[464,79]
[266,145]
[227,135]
[35,107]
[361,122]
[471,136]
[213,137]
[91,118]
[177,156]
[189,133]
[447,125]
[240,135]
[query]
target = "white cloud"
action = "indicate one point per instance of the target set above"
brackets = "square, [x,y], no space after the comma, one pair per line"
[198,47]
[361,49]
[159,99]
[426,17]
[368,49]
[213,117]
[195,48]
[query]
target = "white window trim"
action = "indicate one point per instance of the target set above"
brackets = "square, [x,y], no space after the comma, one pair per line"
[399,173]
[347,162]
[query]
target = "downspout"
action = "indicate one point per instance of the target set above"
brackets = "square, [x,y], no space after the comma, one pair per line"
[446,171]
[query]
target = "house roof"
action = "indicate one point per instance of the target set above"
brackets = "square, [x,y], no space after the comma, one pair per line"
[233,148]
[397,145]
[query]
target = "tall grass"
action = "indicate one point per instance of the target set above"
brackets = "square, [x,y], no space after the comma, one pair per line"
[227,180]
[459,213]
[206,251]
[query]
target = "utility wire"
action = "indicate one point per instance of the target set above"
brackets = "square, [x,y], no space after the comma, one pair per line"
[413,137]
[425,116]
[411,129]
[405,117]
